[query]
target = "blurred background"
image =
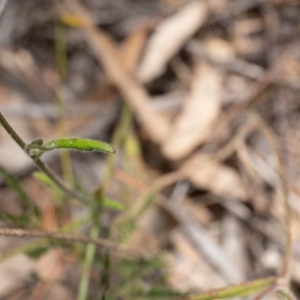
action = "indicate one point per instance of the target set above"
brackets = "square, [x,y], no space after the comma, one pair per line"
[200,100]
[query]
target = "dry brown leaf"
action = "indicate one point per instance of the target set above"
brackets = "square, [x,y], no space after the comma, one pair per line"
[207,246]
[202,107]
[14,272]
[234,245]
[133,46]
[52,265]
[211,175]
[219,50]
[169,38]
[130,52]
[247,38]
[133,93]
[191,271]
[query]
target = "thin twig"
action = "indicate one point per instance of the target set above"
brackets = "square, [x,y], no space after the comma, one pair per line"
[74,238]
[269,133]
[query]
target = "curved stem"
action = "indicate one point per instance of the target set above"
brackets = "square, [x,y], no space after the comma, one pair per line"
[12,132]
[39,163]
[44,168]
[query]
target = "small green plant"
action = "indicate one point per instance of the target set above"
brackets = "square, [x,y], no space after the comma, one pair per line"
[37,147]
[34,150]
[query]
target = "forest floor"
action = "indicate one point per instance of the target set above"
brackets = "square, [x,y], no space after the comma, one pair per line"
[201,100]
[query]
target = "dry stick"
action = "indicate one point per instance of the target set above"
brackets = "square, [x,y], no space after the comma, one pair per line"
[74,238]
[233,10]
[285,273]
[39,163]
[196,234]
[258,93]
[261,87]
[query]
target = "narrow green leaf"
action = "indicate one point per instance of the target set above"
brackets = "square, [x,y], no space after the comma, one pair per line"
[14,183]
[34,143]
[240,290]
[37,252]
[80,144]
[46,181]
[22,219]
[111,203]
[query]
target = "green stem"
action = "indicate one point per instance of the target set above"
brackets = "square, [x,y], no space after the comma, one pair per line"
[118,135]
[61,67]
[73,193]
[240,290]
[12,132]
[39,163]
[87,265]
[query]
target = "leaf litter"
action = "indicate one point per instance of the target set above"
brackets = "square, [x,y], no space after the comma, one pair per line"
[192,78]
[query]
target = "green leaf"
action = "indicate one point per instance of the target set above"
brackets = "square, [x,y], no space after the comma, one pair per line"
[37,252]
[19,219]
[14,183]
[45,180]
[111,203]
[240,290]
[34,143]
[80,144]
[158,292]
[36,148]
[107,202]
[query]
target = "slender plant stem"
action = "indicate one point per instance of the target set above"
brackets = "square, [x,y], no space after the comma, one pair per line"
[73,193]
[239,290]
[12,132]
[61,67]
[73,225]
[271,136]
[39,163]
[74,238]
[118,135]
[265,291]
[90,252]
